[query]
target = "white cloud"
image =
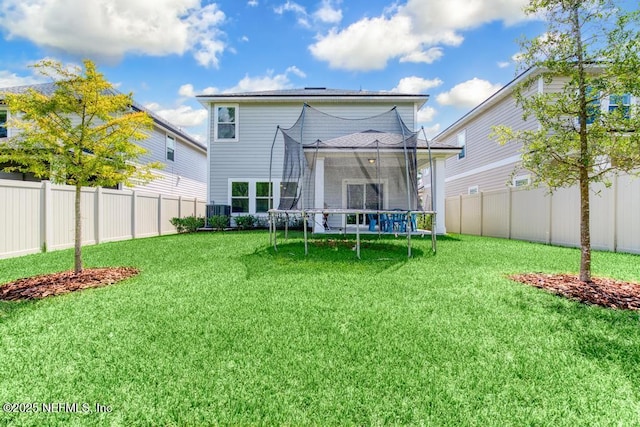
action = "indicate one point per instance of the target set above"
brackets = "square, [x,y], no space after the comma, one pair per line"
[9,79]
[188,91]
[328,13]
[426,114]
[182,116]
[432,131]
[428,57]
[468,94]
[266,82]
[415,84]
[503,64]
[101,29]
[252,3]
[412,32]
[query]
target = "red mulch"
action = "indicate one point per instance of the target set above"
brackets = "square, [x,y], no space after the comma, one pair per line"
[61,283]
[600,291]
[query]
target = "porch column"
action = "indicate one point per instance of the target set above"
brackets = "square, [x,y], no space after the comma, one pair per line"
[439,193]
[318,226]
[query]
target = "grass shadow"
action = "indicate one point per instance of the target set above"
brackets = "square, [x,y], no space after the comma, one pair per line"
[332,253]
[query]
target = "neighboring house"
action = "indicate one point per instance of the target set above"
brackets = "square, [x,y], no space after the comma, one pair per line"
[243,128]
[484,165]
[185,159]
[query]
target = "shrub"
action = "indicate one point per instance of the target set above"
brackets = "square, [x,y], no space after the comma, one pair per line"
[245,221]
[188,224]
[219,222]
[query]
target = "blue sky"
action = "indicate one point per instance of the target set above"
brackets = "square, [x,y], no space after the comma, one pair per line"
[167,51]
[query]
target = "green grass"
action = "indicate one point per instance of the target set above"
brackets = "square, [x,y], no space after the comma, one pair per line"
[219,329]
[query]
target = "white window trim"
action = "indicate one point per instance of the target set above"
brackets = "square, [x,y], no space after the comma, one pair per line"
[166,147]
[526,177]
[462,133]
[275,196]
[215,123]
[474,189]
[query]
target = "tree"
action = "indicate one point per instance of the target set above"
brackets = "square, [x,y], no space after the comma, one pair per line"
[82,134]
[591,53]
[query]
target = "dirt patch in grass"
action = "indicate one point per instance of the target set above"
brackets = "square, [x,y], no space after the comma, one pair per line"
[600,291]
[61,283]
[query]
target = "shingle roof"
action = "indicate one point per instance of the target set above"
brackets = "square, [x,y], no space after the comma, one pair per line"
[49,89]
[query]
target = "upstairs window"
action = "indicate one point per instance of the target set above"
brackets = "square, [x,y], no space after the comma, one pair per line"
[462,142]
[622,102]
[3,124]
[225,123]
[171,148]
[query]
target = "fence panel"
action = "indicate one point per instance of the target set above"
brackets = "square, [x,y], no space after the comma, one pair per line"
[452,214]
[37,215]
[471,214]
[21,228]
[530,215]
[495,213]
[626,217]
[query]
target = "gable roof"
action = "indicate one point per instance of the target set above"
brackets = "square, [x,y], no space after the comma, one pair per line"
[315,94]
[49,88]
[502,93]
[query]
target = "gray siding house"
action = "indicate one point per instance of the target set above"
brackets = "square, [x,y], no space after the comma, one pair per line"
[243,127]
[185,159]
[483,164]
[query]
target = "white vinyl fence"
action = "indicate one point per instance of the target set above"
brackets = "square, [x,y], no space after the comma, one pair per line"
[35,216]
[536,216]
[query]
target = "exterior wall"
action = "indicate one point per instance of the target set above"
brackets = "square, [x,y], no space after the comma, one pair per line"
[39,215]
[249,157]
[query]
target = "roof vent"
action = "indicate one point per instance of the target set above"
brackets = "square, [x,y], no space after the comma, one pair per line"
[315,88]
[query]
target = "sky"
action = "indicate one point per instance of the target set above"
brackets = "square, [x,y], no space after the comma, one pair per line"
[166,52]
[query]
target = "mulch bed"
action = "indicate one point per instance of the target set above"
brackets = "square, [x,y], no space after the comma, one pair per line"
[61,283]
[600,291]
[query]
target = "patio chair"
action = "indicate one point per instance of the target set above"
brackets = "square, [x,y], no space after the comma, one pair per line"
[372,222]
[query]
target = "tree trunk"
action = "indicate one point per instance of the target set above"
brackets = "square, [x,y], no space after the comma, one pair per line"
[78,234]
[585,232]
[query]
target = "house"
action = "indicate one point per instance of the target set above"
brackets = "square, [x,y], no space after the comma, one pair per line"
[484,165]
[318,148]
[184,157]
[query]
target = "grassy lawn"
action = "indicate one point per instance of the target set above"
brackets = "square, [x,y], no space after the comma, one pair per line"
[219,329]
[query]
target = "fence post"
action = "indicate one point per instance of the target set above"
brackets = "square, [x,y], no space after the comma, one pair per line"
[549,230]
[98,215]
[179,206]
[460,214]
[159,214]
[510,211]
[134,214]
[47,216]
[482,213]
[614,216]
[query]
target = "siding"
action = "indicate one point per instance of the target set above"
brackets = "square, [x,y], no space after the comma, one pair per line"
[481,149]
[257,125]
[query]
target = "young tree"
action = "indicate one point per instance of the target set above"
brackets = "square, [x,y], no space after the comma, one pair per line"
[591,53]
[82,134]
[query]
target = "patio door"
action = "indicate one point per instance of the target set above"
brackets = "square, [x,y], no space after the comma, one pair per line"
[364,196]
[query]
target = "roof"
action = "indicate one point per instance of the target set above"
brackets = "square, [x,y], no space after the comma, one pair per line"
[49,89]
[315,93]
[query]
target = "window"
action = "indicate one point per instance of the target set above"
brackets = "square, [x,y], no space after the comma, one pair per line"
[3,124]
[240,197]
[264,196]
[622,102]
[462,142]
[593,105]
[225,123]
[473,190]
[522,181]
[171,148]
